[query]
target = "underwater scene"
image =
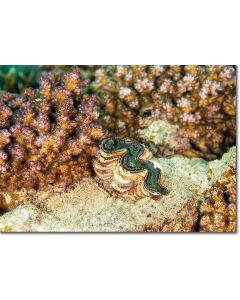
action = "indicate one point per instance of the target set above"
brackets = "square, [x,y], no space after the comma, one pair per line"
[130,148]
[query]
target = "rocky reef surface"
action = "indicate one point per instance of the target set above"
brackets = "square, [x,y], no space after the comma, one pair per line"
[88,207]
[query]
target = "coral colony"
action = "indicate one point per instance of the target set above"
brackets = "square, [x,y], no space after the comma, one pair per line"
[122,127]
[201,100]
[218,212]
[49,135]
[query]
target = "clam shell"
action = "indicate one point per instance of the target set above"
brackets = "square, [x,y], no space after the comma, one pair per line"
[126,183]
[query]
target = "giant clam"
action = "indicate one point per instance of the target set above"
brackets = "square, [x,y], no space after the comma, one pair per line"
[124,168]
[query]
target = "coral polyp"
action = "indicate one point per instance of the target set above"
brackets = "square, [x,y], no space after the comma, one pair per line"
[200,100]
[49,135]
[218,213]
[124,166]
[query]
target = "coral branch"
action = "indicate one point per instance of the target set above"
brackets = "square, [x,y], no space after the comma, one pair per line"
[201,100]
[48,136]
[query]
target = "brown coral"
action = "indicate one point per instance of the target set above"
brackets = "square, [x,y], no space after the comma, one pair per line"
[16,78]
[218,212]
[48,136]
[201,100]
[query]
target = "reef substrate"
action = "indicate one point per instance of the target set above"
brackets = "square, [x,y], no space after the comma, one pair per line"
[88,207]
